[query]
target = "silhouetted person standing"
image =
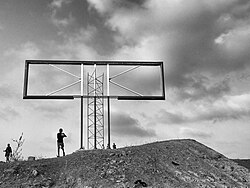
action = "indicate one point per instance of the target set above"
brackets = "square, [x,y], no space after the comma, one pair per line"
[60,143]
[8,153]
[114,146]
[108,146]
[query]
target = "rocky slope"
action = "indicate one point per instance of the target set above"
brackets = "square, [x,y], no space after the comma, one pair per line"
[175,163]
[243,162]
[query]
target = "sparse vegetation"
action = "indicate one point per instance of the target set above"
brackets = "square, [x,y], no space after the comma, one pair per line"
[17,152]
[171,164]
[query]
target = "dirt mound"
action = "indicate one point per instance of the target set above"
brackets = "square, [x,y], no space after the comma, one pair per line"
[174,163]
[243,162]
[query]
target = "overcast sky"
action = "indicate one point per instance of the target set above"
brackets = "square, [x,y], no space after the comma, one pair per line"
[204,44]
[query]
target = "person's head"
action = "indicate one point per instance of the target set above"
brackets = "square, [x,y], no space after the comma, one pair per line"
[60,130]
[8,145]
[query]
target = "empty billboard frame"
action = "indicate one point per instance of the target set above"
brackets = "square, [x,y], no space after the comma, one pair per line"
[132,65]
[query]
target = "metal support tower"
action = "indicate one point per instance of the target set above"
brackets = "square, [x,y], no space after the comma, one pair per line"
[95,111]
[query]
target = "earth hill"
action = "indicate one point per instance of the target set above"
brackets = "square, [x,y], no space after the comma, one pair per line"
[243,162]
[167,164]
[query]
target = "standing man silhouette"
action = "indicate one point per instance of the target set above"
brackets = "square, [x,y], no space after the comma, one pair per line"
[60,143]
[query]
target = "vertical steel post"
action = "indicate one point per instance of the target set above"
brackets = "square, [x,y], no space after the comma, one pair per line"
[108,146]
[95,147]
[81,146]
[26,73]
[163,80]
[108,101]
[95,138]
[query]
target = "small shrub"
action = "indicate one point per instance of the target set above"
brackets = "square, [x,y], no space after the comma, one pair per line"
[17,152]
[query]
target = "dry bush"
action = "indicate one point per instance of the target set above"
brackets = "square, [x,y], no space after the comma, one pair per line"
[17,152]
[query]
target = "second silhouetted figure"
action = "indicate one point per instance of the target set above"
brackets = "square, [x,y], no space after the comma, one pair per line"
[8,153]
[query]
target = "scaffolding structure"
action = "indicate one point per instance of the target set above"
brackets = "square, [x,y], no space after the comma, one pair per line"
[95,111]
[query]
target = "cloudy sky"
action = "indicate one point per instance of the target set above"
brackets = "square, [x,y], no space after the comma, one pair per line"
[204,44]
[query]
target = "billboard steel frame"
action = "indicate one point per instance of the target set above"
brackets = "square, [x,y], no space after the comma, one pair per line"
[82,63]
[136,96]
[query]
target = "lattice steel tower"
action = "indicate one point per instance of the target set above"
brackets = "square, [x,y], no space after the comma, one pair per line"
[95,111]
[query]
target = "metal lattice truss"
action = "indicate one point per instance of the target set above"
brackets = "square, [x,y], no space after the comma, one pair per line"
[95,111]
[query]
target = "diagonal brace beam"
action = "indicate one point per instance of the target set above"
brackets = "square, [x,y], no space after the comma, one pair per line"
[63,88]
[123,87]
[121,73]
[65,71]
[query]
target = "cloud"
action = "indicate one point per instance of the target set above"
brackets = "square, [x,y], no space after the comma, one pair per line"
[171,118]
[57,4]
[101,6]
[45,79]
[13,64]
[1,27]
[194,133]
[124,124]
[224,109]
[52,111]
[28,50]
[228,108]
[8,113]
[77,45]
[199,87]
[6,92]
[60,21]
[110,6]
[194,38]
[234,44]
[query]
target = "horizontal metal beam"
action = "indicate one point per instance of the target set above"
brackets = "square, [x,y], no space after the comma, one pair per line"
[68,62]
[141,98]
[87,96]
[48,97]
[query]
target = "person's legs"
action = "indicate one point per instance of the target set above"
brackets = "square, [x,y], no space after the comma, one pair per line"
[63,149]
[7,158]
[60,145]
[58,149]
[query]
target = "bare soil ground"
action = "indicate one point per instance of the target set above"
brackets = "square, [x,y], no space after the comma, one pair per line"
[168,164]
[243,162]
